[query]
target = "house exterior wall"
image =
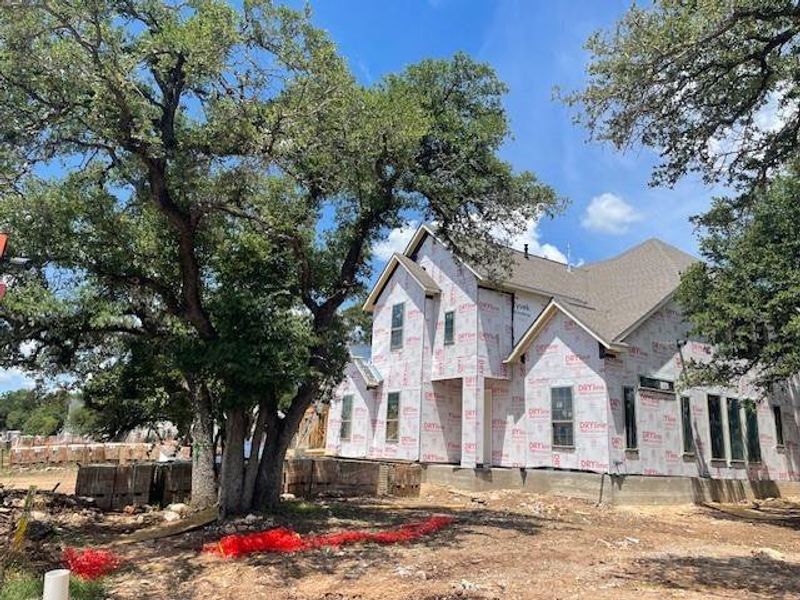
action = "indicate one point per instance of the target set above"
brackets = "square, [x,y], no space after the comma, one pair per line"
[565,355]
[363,408]
[654,352]
[442,388]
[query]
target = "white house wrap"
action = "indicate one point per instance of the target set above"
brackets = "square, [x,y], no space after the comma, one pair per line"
[557,367]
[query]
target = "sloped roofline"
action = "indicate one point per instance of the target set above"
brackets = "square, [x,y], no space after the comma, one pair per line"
[429,287]
[422,232]
[547,313]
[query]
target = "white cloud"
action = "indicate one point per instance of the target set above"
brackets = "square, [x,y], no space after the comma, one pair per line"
[608,213]
[531,237]
[396,241]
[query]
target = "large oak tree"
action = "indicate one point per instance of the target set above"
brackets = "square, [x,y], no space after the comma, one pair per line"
[208,182]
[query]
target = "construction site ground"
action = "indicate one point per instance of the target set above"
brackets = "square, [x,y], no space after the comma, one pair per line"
[502,545]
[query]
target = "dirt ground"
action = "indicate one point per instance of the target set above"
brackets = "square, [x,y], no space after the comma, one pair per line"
[502,545]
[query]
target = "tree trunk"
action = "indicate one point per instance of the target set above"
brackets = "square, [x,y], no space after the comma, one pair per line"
[204,479]
[251,469]
[270,475]
[232,473]
[279,435]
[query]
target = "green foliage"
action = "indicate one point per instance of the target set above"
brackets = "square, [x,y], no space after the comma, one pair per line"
[745,298]
[225,180]
[34,412]
[710,86]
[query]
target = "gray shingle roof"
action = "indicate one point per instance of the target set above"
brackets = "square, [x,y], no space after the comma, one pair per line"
[420,274]
[608,296]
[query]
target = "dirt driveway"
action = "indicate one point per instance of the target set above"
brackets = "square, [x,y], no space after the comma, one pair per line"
[502,545]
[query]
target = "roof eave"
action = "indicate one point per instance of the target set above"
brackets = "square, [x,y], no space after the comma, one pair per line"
[386,275]
[547,313]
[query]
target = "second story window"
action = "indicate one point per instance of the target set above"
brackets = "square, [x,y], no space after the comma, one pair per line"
[398,316]
[449,327]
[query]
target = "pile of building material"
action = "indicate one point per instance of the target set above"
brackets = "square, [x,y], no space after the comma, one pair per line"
[115,487]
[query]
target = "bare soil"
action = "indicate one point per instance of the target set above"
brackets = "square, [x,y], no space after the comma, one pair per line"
[502,545]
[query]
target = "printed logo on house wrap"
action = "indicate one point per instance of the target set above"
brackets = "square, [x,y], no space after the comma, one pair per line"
[546,348]
[539,447]
[616,443]
[467,337]
[670,421]
[488,307]
[672,457]
[569,324]
[664,348]
[471,414]
[433,457]
[589,464]
[592,426]
[637,352]
[652,438]
[432,427]
[591,388]
[574,359]
[538,413]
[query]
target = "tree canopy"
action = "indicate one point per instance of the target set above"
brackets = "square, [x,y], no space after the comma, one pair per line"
[745,297]
[710,86]
[221,180]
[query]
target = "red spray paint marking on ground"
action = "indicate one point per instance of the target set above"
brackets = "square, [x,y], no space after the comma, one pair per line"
[285,540]
[90,564]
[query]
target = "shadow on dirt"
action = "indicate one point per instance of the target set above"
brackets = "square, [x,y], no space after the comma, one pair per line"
[759,575]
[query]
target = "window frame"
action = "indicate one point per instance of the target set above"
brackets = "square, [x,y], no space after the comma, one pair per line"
[711,428]
[626,401]
[396,419]
[451,339]
[777,417]
[689,448]
[733,409]
[752,433]
[397,328]
[349,420]
[657,384]
[554,422]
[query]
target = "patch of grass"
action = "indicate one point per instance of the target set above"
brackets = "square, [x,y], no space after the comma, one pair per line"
[300,508]
[28,587]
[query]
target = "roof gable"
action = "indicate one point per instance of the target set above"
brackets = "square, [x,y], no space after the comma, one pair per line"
[417,273]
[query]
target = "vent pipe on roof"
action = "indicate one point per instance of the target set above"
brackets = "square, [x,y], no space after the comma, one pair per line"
[526,250]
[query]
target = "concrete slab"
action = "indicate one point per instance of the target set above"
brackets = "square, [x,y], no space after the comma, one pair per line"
[609,489]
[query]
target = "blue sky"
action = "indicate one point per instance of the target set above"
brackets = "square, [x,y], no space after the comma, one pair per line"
[534,46]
